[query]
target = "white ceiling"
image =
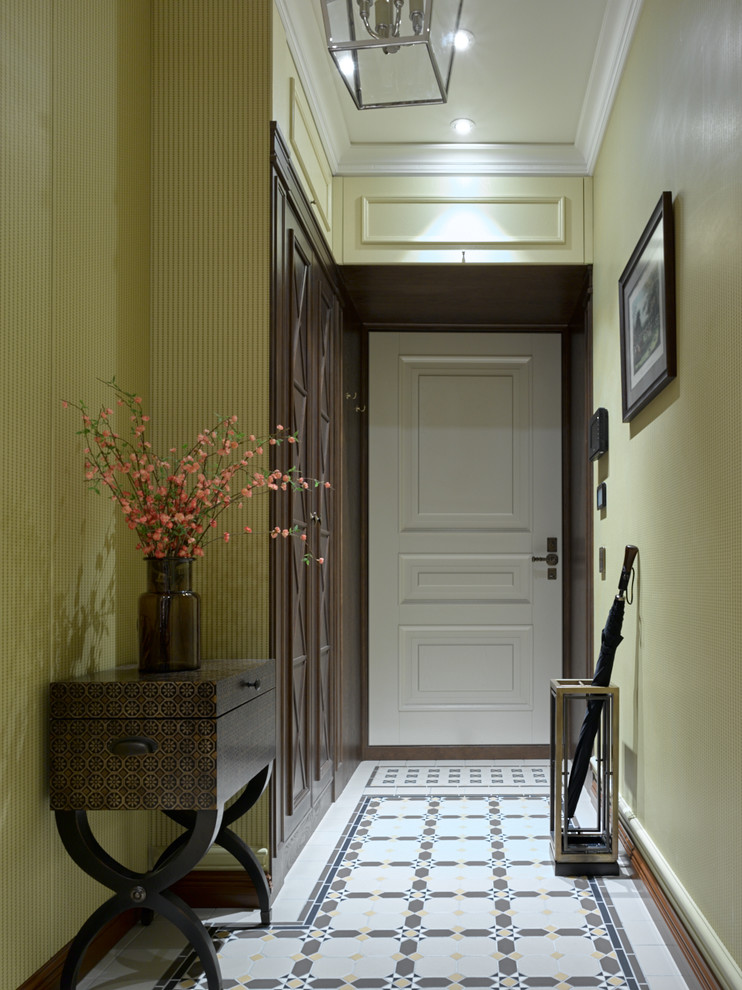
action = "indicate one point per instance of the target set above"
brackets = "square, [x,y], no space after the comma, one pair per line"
[539,82]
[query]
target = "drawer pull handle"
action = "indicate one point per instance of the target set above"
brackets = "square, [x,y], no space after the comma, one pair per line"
[132,746]
[253,684]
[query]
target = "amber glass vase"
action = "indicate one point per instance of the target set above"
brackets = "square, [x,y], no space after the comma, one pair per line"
[169,618]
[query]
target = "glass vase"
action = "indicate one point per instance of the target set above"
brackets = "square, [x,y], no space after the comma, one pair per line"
[169,618]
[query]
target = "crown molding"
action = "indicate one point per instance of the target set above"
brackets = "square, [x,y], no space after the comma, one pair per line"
[469,159]
[614,42]
[314,67]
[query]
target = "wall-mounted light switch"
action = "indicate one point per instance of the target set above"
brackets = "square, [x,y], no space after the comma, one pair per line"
[601,561]
[601,496]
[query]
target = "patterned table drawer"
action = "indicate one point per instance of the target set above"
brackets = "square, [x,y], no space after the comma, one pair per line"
[215,688]
[119,744]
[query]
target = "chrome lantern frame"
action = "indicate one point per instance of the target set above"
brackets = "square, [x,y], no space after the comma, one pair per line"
[393,53]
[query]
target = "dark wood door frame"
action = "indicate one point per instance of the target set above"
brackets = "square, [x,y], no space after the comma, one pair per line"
[506,298]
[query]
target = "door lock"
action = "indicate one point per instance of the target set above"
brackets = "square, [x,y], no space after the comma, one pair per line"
[551,559]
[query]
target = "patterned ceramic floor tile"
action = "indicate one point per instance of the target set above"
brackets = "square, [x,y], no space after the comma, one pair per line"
[432,777]
[435,892]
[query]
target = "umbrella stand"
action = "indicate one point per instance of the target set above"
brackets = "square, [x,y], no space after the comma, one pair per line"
[594,850]
[578,849]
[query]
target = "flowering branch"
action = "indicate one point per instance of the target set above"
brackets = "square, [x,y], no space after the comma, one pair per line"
[174,505]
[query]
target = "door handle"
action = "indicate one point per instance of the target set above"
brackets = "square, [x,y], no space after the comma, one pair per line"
[551,559]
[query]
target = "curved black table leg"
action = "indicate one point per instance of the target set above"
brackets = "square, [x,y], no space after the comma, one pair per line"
[172,907]
[140,889]
[234,845]
[171,850]
[105,913]
[251,865]
[244,855]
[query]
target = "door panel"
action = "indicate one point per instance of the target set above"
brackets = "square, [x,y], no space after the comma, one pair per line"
[325,390]
[298,779]
[464,488]
[465,668]
[446,404]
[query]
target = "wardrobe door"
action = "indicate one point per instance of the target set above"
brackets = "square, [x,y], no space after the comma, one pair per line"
[323,435]
[307,313]
[298,687]
[305,355]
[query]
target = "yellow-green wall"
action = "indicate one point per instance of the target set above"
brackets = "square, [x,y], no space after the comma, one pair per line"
[74,298]
[134,176]
[674,474]
[211,106]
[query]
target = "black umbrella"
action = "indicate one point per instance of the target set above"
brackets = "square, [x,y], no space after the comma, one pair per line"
[609,640]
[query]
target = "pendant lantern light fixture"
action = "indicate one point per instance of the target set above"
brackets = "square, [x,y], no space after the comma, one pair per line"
[393,53]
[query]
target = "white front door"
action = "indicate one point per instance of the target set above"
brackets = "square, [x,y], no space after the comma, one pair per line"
[465,630]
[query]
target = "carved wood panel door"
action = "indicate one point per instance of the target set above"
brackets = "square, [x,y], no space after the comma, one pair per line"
[298,755]
[324,458]
[306,355]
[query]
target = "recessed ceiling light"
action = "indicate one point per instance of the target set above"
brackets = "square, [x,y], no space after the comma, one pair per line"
[462,125]
[462,40]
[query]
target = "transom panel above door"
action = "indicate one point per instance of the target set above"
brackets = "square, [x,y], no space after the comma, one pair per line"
[464,490]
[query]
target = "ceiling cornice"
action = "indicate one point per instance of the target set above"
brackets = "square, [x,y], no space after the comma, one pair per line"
[307,46]
[616,33]
[458,159]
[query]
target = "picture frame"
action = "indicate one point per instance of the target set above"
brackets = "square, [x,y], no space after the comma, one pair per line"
[646,296]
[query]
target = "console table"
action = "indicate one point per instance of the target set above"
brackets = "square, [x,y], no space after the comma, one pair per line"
[181,743]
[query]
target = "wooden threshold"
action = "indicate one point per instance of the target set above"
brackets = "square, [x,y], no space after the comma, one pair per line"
[452,753]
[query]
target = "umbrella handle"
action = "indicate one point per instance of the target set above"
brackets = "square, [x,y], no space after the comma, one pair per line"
[628,563]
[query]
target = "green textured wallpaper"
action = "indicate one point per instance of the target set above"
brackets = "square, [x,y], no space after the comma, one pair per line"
[211,285]
[134,185]
[74,292]
[674,474]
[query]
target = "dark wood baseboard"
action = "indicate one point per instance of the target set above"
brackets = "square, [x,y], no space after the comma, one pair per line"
[48,977]
[217,888]
[200,889]
[687,946]
[538,752]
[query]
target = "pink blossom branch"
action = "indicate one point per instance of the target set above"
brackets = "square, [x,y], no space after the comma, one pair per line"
[174,508]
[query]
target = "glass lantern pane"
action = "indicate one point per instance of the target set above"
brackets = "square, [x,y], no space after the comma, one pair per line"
[444,25]
[337,25]
[404,76]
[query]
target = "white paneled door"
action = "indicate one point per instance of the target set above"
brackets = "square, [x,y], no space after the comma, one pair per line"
[465,628]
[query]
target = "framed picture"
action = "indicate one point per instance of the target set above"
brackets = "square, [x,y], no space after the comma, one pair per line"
[646,297]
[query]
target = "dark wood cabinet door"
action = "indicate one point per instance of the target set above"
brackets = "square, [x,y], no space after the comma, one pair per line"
[324,434]
[319,734]
[307,319]
[298,719]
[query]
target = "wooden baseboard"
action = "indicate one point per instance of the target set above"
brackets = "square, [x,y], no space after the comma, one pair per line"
[48,977]
[687,946]
[536,752]
[200,889]
[217,888]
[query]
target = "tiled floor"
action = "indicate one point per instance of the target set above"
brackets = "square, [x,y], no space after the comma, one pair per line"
[427,876]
